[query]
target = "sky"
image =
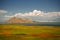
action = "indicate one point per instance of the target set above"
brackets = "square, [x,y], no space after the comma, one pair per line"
[39,10]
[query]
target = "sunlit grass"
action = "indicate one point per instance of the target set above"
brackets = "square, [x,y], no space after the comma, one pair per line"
[22,32]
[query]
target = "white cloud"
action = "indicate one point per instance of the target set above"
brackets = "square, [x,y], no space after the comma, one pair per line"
[3,11]
[53,14]
[37,13]
[33,13]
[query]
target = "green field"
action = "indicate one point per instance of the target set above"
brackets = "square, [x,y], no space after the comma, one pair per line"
[22,32]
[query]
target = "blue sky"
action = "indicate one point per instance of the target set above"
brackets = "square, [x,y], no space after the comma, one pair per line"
[29,5]
[25,6]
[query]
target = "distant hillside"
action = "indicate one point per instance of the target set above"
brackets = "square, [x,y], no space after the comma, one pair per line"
[20,20]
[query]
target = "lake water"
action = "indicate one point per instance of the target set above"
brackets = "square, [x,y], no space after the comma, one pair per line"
[43,24]
[38,24]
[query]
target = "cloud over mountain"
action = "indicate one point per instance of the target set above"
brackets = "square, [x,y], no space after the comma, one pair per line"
[36,13]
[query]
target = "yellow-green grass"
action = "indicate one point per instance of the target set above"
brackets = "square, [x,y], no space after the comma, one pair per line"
[22,32]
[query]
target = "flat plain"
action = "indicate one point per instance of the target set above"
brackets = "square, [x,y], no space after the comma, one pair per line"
[23,32]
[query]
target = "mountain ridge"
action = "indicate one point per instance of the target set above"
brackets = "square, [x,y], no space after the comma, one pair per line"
[20,20]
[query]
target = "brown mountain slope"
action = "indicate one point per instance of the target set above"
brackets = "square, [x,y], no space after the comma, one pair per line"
[19,20]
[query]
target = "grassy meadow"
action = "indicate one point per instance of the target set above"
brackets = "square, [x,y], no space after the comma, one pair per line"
[23,32]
